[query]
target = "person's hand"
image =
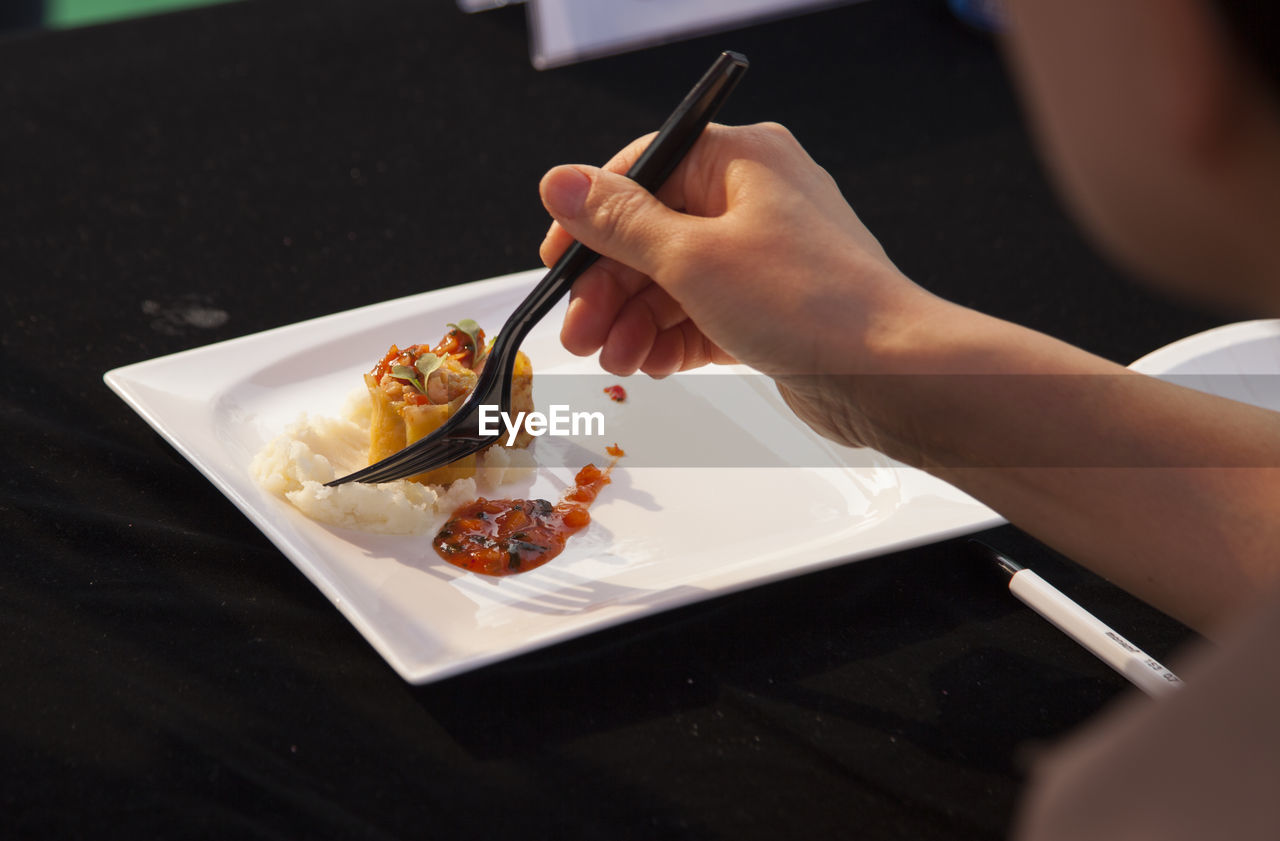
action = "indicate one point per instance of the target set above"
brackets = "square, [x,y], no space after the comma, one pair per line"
[749,253]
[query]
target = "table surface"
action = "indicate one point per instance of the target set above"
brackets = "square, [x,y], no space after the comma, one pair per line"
[168,673]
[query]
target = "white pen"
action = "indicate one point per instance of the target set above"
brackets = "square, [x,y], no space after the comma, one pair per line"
[1082,626]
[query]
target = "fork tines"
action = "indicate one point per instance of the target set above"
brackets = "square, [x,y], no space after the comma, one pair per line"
[411,461]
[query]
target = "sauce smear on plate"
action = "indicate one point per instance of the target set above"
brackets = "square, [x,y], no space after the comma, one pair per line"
[505,536]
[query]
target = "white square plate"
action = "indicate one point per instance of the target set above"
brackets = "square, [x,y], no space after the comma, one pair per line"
[662,535]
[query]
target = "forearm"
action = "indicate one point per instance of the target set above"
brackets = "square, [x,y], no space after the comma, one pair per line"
[1169,493]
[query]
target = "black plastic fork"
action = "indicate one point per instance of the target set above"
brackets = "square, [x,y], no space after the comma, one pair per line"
[460,435]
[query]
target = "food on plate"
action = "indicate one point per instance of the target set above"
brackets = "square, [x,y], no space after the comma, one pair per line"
[616,393]
[505,536]
[413,391]
[393,408]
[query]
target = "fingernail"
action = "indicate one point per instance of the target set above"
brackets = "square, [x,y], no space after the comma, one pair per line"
[565,190]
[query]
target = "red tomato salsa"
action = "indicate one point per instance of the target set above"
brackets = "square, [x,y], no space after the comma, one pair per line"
[505,536]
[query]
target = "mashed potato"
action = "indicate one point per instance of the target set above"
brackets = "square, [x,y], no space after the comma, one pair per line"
[314,450]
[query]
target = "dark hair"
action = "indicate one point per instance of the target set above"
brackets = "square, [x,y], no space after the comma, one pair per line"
[1255,27]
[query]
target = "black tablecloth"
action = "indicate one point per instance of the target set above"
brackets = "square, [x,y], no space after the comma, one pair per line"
[168,673]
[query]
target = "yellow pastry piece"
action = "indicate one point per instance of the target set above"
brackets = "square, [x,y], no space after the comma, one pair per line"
[412,393]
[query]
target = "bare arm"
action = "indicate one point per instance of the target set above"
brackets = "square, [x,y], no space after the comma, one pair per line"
[1169,493]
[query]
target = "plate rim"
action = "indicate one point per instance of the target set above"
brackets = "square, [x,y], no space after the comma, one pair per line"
[1164,359]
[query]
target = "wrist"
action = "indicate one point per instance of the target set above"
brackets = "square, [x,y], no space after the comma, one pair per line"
[859,391]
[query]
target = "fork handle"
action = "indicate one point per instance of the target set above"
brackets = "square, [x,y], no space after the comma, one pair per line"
[673,141]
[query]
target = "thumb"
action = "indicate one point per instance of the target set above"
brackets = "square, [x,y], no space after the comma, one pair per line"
[608,213]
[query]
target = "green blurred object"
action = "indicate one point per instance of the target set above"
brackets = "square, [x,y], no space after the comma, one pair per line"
[64,13]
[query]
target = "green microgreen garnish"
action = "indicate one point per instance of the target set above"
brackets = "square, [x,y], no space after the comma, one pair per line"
[472,330]
[404,372]
[426,363]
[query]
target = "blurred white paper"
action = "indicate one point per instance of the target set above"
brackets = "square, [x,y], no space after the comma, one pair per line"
[565,31]
[482,5]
